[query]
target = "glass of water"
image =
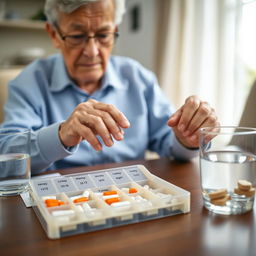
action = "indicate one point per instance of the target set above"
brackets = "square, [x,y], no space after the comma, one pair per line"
[14,161]
[228,168]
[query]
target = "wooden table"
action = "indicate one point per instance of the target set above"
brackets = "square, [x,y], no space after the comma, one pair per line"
[196,233]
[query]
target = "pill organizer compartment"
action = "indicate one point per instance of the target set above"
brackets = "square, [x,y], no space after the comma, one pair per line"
[123,211]
[171,199]
[86,202]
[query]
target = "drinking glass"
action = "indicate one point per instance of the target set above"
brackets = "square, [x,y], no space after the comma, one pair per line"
[14,161]
[228,168]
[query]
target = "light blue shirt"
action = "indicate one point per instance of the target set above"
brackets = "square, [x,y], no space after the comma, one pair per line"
[43,95]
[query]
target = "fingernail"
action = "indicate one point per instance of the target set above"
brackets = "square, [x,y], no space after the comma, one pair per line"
[119,136]
[109,142]
[98,147]
[125,123]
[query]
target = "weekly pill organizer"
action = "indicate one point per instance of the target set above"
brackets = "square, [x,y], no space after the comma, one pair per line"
[89,201]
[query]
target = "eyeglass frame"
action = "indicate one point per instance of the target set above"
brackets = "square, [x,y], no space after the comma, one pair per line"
[86,38]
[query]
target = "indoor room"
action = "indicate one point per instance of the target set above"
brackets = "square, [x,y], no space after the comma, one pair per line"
[127,127]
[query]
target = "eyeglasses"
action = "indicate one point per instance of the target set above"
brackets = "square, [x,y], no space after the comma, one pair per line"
[104,39]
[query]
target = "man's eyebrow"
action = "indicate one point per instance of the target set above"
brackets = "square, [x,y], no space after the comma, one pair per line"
[81,27]
[107,27]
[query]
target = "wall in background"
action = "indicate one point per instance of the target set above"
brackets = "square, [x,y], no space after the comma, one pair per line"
[16,41]
[138,34]
[138,37]
[18,32]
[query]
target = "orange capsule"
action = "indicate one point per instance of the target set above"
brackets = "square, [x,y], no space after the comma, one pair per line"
[132,190]
[61,202]
[111,192]
[53,202]
[112,200]
[81,199]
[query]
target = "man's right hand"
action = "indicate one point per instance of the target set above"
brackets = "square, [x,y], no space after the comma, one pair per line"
[90,119]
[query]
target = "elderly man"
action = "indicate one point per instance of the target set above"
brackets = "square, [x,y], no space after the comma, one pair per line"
[86,107]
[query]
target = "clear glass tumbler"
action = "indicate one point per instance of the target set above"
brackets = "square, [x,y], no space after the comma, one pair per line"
[228,168]
[14,161]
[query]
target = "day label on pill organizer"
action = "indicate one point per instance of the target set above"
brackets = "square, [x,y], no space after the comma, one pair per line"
[64,184]
[83,182]
[119,176]
[136,174]
[101,179]
[44,187]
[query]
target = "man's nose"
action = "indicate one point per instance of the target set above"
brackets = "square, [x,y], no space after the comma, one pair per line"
[91,48]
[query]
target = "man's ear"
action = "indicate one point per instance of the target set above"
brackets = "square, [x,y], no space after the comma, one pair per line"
[53,35]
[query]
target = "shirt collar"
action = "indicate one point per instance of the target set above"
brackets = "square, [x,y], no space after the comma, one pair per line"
[112,79]
[61,80]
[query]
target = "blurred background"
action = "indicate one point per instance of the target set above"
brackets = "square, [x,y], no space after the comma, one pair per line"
[202,47]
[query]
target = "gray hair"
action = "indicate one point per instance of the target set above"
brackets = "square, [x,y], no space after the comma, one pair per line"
[53,7]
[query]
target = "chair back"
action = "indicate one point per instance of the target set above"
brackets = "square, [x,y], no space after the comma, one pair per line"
[5,76]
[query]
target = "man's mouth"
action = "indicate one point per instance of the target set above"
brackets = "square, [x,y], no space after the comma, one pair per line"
[89,64]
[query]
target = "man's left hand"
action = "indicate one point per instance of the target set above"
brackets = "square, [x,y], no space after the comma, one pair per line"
[188,119]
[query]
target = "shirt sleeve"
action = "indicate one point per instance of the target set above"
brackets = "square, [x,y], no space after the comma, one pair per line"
[23,109]
[182,153]
[50,148]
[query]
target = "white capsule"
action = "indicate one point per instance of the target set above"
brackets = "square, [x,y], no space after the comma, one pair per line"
[98,193]
[86,193]
[62,213]
[121,204]
[146,186]
[125,190]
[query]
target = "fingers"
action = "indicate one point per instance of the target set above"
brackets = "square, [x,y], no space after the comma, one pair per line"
[91,119]
[211,123]
[105,119]
[87,134]
[187,121]
[97,127]
[174,119]
[117,115]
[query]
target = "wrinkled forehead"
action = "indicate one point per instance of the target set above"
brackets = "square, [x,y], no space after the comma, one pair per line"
[89,16]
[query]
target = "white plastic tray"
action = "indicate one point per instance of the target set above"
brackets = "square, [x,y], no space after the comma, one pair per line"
[155,198]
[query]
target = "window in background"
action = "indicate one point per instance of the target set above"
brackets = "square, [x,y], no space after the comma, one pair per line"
[247,45]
